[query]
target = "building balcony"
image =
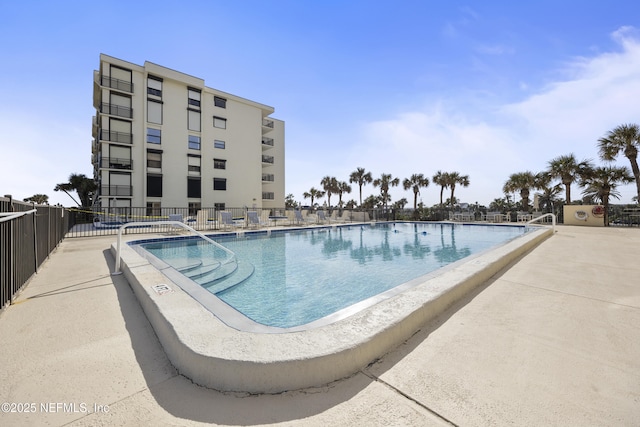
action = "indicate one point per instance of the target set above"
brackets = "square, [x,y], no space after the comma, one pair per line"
[117,84]
[268,177]
[268,195]
[116,190]
[116,110]
[267,125]
[113,136]
[116,163]
[267,142]
[267,159]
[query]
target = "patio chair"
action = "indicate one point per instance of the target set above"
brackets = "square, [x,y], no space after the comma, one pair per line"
[226,221]
[322,217]
[299,219]
[253,220]
[203,222]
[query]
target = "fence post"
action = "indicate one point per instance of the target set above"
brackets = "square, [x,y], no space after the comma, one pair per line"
[35,238]
[11,252]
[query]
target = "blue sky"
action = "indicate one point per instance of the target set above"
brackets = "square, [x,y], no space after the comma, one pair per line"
[486,88]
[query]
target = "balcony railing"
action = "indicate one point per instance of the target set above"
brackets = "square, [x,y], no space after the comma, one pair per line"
[267,141]
[267,159]
[116,110]
[268,196]
[116,190]
[117,84]
[268,177]
[114,136]
[116,163]
[267,123]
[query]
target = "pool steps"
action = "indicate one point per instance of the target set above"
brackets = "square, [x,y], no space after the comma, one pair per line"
[218,277]
[201,271]
[243,271]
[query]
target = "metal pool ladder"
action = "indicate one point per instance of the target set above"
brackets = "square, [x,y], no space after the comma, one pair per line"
[117,271]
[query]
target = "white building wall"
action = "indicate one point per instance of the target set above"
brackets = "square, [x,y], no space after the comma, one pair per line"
[243,143]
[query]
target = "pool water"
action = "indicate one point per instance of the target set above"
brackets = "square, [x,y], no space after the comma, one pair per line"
[292,278]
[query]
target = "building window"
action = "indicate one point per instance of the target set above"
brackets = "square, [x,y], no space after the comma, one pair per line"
[220,206]
[154,111]
[193,188]
[218,144]
[154,136]
[193,120]
[154,159]
[220,183]
[219,164]
[194,164]
[154,86]
[219,102]
[194,142]
[153,209]
[194,97]
[267,195]
[119,79]
[194,207]
[219,122]
[154,185]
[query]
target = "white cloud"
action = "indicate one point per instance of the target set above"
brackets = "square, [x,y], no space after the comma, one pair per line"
[565,117]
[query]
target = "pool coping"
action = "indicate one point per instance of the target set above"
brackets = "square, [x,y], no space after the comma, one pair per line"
[214,355]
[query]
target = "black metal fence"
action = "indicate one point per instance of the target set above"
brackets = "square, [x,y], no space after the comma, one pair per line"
[28,234]
[107,221]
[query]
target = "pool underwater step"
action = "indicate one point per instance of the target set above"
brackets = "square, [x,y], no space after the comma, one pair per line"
[202,271]
[188,268]
[243,271]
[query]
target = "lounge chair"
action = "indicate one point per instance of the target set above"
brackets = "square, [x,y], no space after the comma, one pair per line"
[299,219]
[226,221]
[322,218]
[253,220]
[203,222]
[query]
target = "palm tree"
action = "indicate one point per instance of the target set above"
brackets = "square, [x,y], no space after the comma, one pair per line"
[548,199]
[85,187]
[361,177]
[602,183]
[313,194]
[453,178]
[568,170]
[330,186]
[415,182]
[441,179]
[522,182]
[623,139]
[384,182]
[39,199]
[342,188]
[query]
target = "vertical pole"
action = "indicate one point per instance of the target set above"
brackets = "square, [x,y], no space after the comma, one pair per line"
[12,266]
[35,239]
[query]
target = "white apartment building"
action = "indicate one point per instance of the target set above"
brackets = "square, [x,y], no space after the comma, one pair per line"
[162,139]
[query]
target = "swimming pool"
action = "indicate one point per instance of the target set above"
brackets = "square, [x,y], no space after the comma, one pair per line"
[300,277]
[253,358]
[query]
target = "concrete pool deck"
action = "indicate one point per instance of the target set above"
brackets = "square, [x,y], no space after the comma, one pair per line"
[552,340]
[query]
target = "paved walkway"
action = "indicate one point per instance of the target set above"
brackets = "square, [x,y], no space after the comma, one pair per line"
[554,340]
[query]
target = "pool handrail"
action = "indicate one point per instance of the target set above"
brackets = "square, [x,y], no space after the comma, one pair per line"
[553,220]
[155,223]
